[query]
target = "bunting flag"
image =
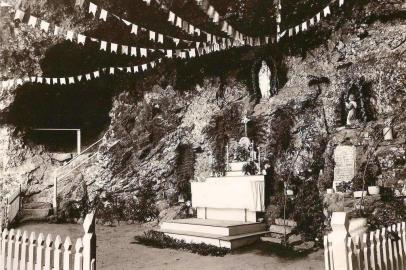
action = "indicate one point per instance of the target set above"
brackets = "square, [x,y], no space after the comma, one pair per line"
[103,45]
[311,22]
[11,83]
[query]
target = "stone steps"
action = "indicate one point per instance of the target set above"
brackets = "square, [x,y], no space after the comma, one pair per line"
[231,242]
[27,215]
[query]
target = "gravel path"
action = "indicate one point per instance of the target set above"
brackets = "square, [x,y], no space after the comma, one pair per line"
[117,250]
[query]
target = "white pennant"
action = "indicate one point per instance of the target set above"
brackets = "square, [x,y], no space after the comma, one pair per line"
[103,45]
[304,26]
[81,39]
[179,22]
[152,35]
[19,15]
[111,70]
[88,77]
[56,30]
[39,80]
[55,80]
[326,11]
[176,40]
[96,74]
[62,80]
[311,21]
[124,49]
[216,17]
[48,80]
[113,47]
[160,38]
[171,17]
[69,35]
[135,69]
[79,77]
[32,21]
[143,52]
[19,82]
[33,79]
[71,80]
[197,31]
[92,8]
[144,67]
[169,53]
[44,26]
[340,3]
[134,29]
[191,29]
[133,51]
[318,17]
[129,70]
[103,15]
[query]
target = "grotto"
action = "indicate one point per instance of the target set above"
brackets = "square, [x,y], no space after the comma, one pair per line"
[274,117]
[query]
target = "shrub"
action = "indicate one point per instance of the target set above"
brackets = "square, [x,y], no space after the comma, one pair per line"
[250,168]
[160,240]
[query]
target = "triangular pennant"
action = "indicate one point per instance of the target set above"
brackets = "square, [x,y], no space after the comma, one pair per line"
[197,31]
[88,77]
[318,17]
[297,29]
[48,80]
[33,79]
[79,77]
[176,40]
[19,82]
[191,29]
[311,22]
[135,68]
[129,70]
[39,79]
[56,30]
[216,17]
[144,67]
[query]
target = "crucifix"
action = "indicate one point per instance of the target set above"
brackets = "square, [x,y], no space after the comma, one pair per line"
[245,120]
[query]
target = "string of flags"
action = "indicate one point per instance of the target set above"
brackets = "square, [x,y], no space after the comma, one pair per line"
[103,45]
[156,37]
[7,84]
[304,26]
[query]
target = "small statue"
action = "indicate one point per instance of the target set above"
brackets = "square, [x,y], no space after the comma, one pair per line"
[351,106]
[264,81]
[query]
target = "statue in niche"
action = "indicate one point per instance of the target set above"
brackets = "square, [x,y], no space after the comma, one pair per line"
[264,80]
[351,106]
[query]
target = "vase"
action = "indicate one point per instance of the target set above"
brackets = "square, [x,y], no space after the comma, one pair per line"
[359,194]
[373,190]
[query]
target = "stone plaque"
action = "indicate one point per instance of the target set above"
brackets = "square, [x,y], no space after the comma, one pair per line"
[345,159]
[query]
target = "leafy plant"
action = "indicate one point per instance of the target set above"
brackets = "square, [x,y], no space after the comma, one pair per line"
[250,168]
[160,240]
[344,187]
[242,153]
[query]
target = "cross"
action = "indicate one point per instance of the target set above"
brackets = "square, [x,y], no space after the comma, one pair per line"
[245,120]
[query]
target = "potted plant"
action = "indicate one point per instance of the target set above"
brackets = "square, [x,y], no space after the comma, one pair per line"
[373,188]
[357,187]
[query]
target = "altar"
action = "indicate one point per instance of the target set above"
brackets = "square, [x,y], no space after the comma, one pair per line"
[228,207]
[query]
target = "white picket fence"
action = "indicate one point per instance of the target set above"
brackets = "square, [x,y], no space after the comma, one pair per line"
[20,251]
[11,207]
[383,249]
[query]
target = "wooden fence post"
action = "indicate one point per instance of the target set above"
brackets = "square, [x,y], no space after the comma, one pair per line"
[339,238]
[89,242]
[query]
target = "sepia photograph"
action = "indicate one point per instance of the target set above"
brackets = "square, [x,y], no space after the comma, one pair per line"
[202,134]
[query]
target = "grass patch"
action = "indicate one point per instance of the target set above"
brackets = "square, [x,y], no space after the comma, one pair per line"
[160,240]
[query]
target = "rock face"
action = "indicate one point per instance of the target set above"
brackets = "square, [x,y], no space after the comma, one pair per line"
[148,120]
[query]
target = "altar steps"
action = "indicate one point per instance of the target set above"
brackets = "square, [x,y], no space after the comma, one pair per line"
[228,234]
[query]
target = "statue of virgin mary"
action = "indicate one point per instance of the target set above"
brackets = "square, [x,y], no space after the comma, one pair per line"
[264,80]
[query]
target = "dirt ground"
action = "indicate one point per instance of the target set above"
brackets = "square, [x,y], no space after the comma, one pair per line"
[117,250]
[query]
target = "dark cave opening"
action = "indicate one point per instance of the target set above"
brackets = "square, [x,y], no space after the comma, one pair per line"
[82,106]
